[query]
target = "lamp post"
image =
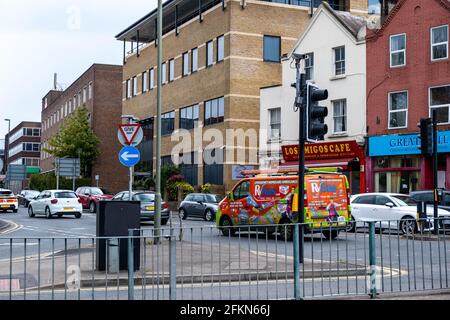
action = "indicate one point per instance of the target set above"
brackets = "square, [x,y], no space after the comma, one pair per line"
[7,148]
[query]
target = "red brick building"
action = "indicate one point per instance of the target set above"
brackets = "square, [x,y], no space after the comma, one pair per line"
[408,75]
[100,89]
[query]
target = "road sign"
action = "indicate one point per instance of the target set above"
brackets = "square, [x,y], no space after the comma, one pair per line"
[67,167]
[129,156]
[16,172]
[130,134]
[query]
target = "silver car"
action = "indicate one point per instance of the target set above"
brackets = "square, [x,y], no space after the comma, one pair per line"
[202,205]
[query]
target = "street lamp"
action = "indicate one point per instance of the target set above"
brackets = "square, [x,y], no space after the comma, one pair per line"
[7,146]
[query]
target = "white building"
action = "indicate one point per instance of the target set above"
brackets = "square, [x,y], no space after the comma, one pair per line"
[334,42]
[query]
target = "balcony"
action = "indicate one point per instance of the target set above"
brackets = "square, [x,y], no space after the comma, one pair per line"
[338,5]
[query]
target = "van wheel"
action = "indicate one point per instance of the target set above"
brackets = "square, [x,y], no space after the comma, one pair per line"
[286,230]
[351,225]
[227,226]
[330,234]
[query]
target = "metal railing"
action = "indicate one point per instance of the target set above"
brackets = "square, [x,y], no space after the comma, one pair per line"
[210,263]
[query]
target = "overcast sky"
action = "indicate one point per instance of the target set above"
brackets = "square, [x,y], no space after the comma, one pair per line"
[39,38]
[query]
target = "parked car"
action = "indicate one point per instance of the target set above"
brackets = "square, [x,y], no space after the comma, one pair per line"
[427,196]
[200,205]
[90,196]
[25,197]
[147,199]
[390,210]
[8,201]
[56,203]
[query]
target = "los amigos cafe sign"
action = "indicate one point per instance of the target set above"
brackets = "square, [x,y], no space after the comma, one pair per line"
[323,151]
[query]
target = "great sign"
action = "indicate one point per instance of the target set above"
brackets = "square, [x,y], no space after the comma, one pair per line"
[322,151]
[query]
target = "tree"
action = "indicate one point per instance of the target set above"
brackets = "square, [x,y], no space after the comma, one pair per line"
[76,139]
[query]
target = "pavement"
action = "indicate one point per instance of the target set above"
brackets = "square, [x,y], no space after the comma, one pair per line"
[442,294]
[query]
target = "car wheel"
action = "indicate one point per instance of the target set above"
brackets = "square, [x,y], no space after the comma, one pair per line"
[15,210]
[92,207]
[227,226]
[60,216]
[408,225]
[182,213]
[77,215]
[286,231]
[351,225]
[330,234]
[209,215]
[48,213]
[30,212]
[164,221]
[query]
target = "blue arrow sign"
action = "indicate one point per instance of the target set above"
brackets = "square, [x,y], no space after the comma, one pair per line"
[129,156]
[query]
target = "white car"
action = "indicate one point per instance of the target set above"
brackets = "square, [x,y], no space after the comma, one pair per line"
[8,201]
[390,210]
[56,203]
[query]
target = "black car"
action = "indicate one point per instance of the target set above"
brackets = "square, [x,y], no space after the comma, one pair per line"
[200,205]
[26,196]
[427,196]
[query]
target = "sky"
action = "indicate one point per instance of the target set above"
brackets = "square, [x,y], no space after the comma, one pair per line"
[40,38]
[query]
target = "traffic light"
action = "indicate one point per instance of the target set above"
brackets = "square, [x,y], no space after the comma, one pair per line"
[426,136]
[315,114]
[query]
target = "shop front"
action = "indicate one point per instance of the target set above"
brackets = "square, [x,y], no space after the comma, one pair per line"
[347,156]
[395,164]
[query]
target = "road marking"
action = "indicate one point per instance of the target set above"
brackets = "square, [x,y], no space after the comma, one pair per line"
[16,227]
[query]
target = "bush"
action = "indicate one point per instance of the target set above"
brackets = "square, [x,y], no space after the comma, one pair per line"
[144,184]
[184,186]
[167,171]
[47,181]
[206,188]
[172,186]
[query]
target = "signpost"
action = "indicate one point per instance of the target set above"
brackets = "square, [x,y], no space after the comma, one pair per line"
[67,167]
[129,157]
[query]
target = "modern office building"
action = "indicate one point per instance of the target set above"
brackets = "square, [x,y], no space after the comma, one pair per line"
[24,148]
[99,90]
[217,55]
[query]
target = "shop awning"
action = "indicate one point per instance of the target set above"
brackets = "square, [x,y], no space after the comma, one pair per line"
[320,163]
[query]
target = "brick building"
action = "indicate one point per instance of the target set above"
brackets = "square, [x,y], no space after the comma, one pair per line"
[99,89]
[24,148]
[216,57]
[408,76]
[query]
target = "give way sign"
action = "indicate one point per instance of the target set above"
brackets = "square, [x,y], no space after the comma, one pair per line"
[130,134]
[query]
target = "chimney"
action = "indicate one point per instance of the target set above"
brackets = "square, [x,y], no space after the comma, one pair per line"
[55,81]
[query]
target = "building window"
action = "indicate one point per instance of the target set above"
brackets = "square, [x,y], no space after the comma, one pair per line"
[275,123]
[166,161]
[398,50]
[272,49]
[189,117]
[340,116]
[339,61]
[167,123]
[194,59]
[213,166]
[440,101]
[128,89]
[144,82]
[134,86]
[79,99]
[214,111]
[209,53]
[185,64]
[189,167]
[398,110]
[171,70]
[164,73]
[152,79]
[309,66]
[439,43]
[220,48]
[74,102]
[84,95]
[90,91]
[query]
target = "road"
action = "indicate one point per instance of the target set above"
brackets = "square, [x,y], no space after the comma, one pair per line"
[403,264]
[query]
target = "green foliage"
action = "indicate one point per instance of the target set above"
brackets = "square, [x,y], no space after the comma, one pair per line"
[206,188]
[47,181]
[76,138]
[167,171]
[144,184]
[172,186]
[185,187]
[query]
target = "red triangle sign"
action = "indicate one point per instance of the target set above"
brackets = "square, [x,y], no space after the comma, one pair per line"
[129,132]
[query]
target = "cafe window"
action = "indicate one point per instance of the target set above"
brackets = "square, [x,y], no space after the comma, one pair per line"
[340,116]
[440,101]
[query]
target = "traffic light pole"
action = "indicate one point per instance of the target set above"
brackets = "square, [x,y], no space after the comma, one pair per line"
[435,175]
[300,103]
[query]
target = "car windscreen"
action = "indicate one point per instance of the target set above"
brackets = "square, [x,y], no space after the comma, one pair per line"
[65,195]
[145,197]
[105,191]
[96,192]
[212,198]
[405,200]
[32,193]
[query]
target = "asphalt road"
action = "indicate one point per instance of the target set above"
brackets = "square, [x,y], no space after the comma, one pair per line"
[407,264]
